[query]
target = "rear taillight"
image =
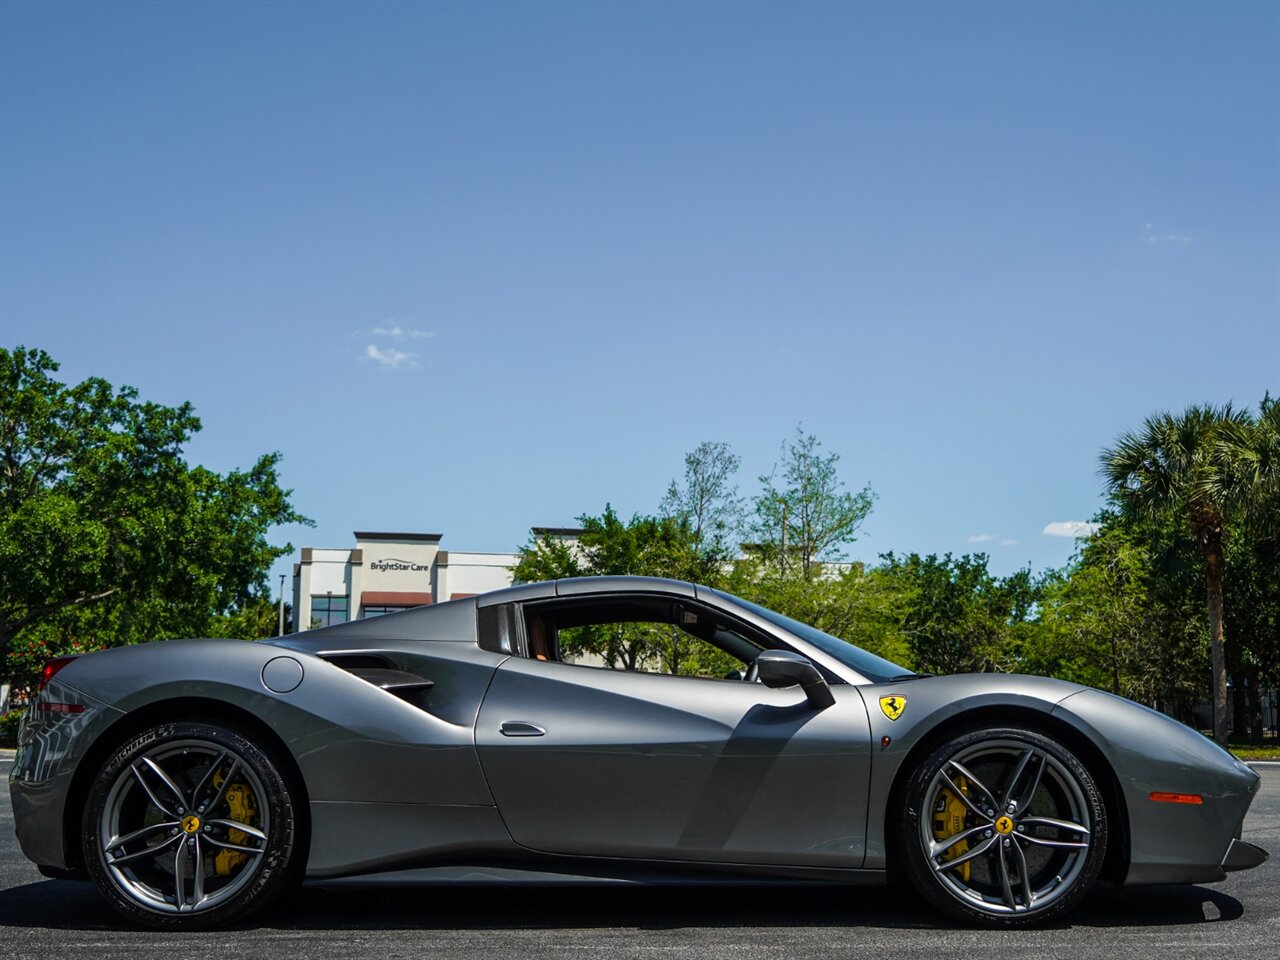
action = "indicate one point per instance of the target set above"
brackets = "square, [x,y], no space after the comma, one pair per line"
[51,668]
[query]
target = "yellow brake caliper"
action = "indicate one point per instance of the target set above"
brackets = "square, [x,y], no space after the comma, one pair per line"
[244,809]
[948,820]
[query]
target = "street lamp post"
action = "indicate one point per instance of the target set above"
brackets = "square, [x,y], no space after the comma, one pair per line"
[281,626]
[782,561]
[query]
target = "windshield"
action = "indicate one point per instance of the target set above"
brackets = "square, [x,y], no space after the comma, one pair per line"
[876,669]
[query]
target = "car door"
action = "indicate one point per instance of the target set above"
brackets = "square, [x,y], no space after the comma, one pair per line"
[598,762]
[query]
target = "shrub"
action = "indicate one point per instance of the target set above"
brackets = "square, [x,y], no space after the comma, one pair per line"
[9,728]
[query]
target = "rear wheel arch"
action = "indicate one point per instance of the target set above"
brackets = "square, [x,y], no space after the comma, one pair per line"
[1116,864]
[187,708]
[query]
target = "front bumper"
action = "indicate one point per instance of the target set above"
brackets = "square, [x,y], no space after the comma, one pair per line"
[1243,856]
[1152,754]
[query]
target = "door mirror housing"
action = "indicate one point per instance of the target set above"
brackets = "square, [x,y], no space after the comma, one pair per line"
[782,668]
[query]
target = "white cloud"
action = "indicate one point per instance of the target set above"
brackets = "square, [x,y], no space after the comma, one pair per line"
[1008,543]
[397,332]
[390,358]
[1158,236]
[981,537]
[1071,528]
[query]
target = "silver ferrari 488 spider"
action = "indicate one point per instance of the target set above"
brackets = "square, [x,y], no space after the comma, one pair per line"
[196,780]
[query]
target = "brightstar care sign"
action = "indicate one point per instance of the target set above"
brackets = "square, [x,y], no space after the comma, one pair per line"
[393,564]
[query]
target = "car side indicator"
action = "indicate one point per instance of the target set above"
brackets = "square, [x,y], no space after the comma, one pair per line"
[1161,797]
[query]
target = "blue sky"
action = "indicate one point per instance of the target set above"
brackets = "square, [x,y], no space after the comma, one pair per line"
[964,244]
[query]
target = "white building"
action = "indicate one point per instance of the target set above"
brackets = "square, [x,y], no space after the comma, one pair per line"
[386,572]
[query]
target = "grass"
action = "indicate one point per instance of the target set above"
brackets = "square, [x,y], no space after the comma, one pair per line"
[1268,749]
[1253,751]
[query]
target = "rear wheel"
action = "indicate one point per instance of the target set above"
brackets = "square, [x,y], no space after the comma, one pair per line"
[1003,827]
[190,825]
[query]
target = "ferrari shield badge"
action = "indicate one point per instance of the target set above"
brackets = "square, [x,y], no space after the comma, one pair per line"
[893,706]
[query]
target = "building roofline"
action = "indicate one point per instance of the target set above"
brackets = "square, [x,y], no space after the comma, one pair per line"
[417,537]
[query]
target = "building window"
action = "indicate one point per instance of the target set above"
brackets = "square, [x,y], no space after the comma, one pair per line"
[380,610]
[328,609]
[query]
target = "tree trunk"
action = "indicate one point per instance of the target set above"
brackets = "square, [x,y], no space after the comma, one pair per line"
[1255,705]
[1213,563]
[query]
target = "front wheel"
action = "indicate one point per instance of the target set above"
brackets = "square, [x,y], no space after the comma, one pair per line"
[1002,827]
[190,825]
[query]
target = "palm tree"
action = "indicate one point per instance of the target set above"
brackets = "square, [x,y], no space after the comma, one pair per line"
[1190,466]
[1251,448]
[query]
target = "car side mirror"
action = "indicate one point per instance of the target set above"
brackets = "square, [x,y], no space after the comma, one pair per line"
[782,668]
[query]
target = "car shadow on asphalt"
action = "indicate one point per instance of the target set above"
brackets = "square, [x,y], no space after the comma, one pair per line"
[68,905]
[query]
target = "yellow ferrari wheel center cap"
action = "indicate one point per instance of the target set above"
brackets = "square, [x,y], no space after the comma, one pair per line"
[190,824]
[1004,825]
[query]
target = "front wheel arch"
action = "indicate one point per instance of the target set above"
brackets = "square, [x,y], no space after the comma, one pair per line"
[186,708]
[1116,864]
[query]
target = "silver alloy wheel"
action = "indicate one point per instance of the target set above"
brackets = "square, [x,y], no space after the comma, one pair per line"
[1025,836]
[168,817]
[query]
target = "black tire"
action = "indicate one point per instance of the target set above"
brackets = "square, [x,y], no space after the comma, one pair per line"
[969,854]
[219,816]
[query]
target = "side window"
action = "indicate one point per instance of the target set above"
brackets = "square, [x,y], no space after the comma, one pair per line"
[647,635]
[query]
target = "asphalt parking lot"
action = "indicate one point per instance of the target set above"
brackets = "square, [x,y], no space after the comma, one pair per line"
[1237,918]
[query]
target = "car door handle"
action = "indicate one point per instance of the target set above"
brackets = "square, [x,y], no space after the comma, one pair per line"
[521,728]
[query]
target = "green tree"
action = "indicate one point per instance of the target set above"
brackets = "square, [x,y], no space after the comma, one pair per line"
[1252,590]
[1092,612]
[1252,610]
[959,618]
[805,515]
[257,618]
[609,546]
[107,535]
[1250,451]
[1122,617]
[1186,466]
[549,556]
[707,501]
[862,606]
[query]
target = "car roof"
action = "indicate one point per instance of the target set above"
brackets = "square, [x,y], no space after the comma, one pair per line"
[580,586]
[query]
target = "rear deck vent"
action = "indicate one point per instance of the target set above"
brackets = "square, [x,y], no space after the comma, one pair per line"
[360,661]
[384,672]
